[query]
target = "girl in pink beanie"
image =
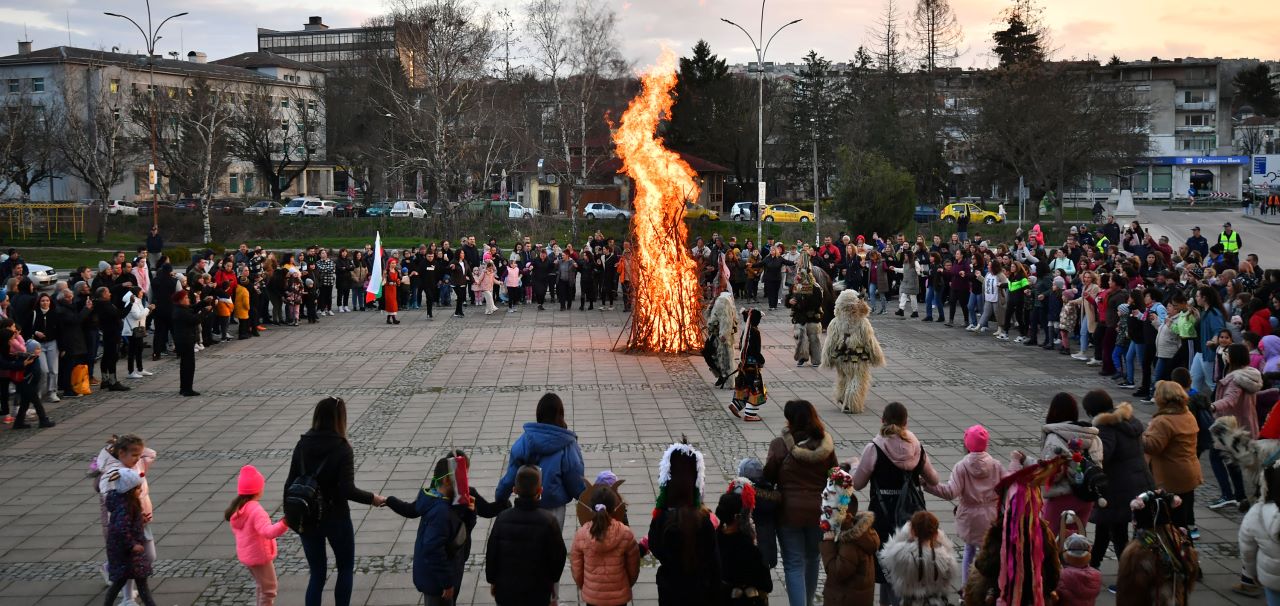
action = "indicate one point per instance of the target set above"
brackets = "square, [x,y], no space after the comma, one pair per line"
[973,484]
[255,534]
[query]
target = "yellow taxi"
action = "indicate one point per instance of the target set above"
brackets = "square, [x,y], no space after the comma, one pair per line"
[951,214]
[698,211]
[786,213]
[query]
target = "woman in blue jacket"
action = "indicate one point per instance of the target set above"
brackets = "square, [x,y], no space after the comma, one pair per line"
[1212,319]
[549,444]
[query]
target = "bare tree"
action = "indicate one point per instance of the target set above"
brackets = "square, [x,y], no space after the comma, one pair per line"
[194,138]
[94,141]
[280,136]
[887,37]
[936,33]
[27,153]
[575,51]
[1250,140]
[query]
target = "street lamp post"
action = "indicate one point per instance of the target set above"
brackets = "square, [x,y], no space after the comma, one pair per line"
[760,53]
[817,198]
[150,37]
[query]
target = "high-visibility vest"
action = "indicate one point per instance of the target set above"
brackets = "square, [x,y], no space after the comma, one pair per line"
[1231,243]
[1102,244]
[1018,285]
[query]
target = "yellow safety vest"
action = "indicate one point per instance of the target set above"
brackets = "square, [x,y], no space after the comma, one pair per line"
[1102,245]
[1231,243]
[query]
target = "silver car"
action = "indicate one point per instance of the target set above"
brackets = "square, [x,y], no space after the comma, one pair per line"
[42,275]
[601,210]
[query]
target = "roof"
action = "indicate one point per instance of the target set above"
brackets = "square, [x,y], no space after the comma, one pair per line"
[71,54]
[254,59]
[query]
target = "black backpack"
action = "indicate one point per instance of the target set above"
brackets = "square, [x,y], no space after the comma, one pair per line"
[908,499]
[1086,478]
[303,502]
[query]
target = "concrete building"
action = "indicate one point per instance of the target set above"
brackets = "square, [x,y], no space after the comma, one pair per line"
[320,45]
[85,78]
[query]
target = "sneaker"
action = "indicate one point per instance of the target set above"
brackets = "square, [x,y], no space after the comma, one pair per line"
[800,364]
[815,364]
[53,397]
[971,328]
[983,329]
[1093,362]
[458,315]
[1079,356]
[1246,589]
[899,313]
[134,375]
[1111,589]
[1221,503]
[146,373]
[1002,336]
[1126,385]
[1194,533]
[1020,340]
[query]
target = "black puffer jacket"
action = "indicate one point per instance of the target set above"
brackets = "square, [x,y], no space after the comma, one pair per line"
[337,479]
[1124,463]
[71,336]
[525,555]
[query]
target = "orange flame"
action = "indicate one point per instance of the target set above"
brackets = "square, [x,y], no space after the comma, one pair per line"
[668,304]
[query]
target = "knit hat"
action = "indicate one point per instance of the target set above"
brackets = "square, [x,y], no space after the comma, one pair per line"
[251,481]
[1076,549]
[751,468]
[976,438]
[606,477]
[129,479]
[1059,282]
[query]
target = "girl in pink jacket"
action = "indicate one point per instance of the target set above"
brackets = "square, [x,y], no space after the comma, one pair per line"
[973,482]
[255,534]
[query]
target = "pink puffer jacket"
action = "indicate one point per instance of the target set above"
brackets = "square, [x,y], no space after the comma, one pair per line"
[973,485]
[255,534]
[605,570]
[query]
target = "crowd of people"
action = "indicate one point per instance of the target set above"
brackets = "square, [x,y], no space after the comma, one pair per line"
[1197,325]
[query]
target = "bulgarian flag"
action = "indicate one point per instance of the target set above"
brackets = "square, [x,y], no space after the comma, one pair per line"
[373,291]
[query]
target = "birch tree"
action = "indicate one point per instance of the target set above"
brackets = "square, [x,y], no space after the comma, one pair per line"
[194,140]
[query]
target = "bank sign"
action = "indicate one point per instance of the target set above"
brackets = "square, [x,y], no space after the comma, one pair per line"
[1200,160]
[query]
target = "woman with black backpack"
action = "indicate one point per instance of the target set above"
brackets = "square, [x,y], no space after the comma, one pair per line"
[322,476]
[896,466]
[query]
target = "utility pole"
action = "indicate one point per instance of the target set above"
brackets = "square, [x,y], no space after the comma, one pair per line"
[817,197]
[150,37]
[760,54]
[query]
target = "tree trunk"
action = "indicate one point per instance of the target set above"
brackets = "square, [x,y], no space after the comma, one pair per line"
[102,225]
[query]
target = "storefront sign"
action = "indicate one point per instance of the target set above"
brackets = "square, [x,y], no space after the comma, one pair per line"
[1198,160]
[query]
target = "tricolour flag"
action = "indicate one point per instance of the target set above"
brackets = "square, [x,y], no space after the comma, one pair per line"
[373,291]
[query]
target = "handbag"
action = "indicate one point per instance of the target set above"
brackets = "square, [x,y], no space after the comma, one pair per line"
[80,379]
[139,332]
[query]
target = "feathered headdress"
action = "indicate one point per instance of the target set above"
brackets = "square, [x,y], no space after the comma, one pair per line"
[836,498]
[685,450]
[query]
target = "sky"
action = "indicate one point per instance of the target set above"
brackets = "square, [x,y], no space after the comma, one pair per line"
[1130,29]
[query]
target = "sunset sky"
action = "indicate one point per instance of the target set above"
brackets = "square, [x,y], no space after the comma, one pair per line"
[1132,29]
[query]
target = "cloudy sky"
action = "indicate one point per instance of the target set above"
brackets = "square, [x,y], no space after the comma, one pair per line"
[1132,29]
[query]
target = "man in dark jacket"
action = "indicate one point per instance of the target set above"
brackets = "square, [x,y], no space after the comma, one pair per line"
[186,331]
[112,325]
[543,272]
[71,341]
[22,305]
[162,289]
[155,243]
[525,554]
[773,265]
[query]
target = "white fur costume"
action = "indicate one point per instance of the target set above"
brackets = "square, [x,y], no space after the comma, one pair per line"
[722,325]
[852,350]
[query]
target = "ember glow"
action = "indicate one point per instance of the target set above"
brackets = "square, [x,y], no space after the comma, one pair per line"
[668,306]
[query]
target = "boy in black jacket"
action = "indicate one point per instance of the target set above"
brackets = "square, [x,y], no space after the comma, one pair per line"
[525,554]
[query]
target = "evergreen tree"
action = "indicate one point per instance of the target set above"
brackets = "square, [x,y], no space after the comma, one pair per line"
[698,93]
[1255,88]
[1022,40]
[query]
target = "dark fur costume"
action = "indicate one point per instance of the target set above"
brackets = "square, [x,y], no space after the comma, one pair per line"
[1159,566]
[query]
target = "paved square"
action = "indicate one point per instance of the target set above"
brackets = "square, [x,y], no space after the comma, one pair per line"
[417,389]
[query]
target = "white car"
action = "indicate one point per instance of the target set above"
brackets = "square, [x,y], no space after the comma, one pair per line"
[743,211]
[600,210]
[515,210]
[317,208]
[407,208]
[293,208]
[120,207]
[264,207]
[41,275]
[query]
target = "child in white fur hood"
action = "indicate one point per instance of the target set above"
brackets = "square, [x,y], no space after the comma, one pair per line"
[920,562]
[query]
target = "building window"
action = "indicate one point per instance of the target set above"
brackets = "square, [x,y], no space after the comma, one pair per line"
[1162,179]
[1193,96]
[114,86]
[233,184]
[284,103]
[1197,120]
[14,86]
[248,183]
[37,85]
[284,126]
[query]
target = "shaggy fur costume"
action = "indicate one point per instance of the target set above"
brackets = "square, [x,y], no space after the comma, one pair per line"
[1159,566]
[921,575]
[852,350]
[1239,447]
[722,338]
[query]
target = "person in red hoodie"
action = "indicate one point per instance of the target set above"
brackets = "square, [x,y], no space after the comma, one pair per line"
[255,533]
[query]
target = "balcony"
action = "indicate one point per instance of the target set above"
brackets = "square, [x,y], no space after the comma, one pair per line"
[1196,83]
[1205,129]
[1201,106]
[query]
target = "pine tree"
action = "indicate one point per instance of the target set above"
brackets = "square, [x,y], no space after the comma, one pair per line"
[1254,86]
[1023,39]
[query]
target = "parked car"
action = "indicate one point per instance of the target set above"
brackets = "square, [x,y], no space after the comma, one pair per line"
[144,207]
[407,208]
[378,209]
[951,214]
[293,208]
[42,275]
[226,207]
[317,208]
[346,208]
[600,210]
[698,211]
[515,210]
[785,213]
[120,207]
[186,205]
[925,213]
[742,211]
[264,207]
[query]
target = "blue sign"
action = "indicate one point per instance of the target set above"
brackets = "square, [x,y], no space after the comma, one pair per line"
[1260,165]
[1198,160]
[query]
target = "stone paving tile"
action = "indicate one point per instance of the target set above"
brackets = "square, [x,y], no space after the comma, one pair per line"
[417,390]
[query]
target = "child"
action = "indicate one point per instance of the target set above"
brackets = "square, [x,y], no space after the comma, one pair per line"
[126,452]
[1080,583]
[126,540]
[749,390]
[293,299]
[1252,340]
[525,554]
[241,308]
[1258,541]
[512,281]
[973,481]
[1220,360]
[920,562]
[849,557]
[745,580]
[1068,320]
[309,299]
[765,513]
[255,534]
[23,371]
[439,558]
[605,557]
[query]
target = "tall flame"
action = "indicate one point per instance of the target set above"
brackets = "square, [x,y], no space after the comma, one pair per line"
[668,304]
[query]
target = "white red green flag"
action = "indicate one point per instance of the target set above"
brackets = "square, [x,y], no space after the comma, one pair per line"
[373,291]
